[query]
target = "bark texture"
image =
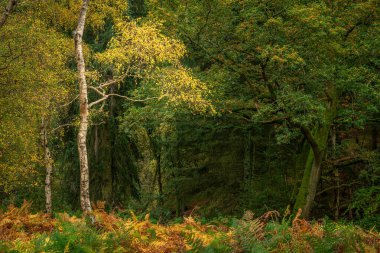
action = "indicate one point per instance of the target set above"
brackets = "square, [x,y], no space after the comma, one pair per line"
[83,110]
[48,161]
[313,184]
[312,173]
[8,9]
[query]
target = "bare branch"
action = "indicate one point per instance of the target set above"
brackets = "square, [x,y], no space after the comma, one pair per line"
[113,81]
[133,100]
[336,187]
[96,90]
[120,96]
[98,101]
[60,126]
[64,105]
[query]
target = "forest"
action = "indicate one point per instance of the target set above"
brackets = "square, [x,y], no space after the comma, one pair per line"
[189,126]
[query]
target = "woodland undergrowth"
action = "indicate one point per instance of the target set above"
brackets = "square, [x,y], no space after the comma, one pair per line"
[22,231]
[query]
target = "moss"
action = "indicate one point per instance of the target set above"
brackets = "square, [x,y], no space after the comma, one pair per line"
[321,137]
[303,190]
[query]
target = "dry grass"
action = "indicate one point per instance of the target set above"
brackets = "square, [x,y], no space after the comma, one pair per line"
[19,223]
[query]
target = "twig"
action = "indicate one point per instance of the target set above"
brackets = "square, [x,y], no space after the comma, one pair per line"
[64,105]
[64,125]
[120,96]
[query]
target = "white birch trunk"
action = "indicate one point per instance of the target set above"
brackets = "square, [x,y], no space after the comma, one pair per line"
[48,162]
[83,110]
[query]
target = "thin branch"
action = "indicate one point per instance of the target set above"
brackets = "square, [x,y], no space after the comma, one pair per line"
[11,60]
[99,124]
[133,100]
[64,105]
[275,120]
[120,96]
[113,81]
[336,187]
[347,161]
[64,125]
[310,139]
[96,90]
[98,101]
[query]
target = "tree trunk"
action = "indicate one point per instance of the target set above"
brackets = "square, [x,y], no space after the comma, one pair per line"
[8,9]
[313,184]
[248,160]
[48,162]
[159,180]
[312,173]
[83,111]
[375,134]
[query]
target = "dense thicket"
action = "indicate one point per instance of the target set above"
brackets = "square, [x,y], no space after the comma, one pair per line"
[209,106]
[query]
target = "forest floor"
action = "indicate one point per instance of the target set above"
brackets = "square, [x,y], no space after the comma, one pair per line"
[22,231]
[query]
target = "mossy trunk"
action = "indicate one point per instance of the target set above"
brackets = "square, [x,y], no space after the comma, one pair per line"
[300,163]
[159,180]
[312,172]
[311,175]
[248,160]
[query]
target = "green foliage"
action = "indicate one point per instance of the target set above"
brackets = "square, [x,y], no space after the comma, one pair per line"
[367,200]
[248,234]
[34,79]
[211,97]
[71,239]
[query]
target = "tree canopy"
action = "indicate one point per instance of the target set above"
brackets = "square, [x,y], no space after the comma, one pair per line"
[171,107]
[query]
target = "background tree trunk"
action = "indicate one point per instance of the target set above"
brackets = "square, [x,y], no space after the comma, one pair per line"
[83,110]
[8,9]
[159,179]
[48,165]
[313,185]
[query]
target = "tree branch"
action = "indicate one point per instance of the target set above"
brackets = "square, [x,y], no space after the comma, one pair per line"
[346,161]
[8,9]
[96,90]
[310,139]
[98,101]
[120,96]
[336,187]
[60,126]
[133,100]
[113,81]
[68,103]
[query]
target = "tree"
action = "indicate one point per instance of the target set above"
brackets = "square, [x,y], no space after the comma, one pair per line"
[285,64]
[48,162]
[83,112]
[135,52]
[34,81]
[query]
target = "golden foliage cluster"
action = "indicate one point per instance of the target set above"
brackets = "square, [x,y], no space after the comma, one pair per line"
[140,50]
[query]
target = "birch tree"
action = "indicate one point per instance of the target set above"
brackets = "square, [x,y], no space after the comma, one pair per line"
[48,162]
[83,111]
[137,51]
